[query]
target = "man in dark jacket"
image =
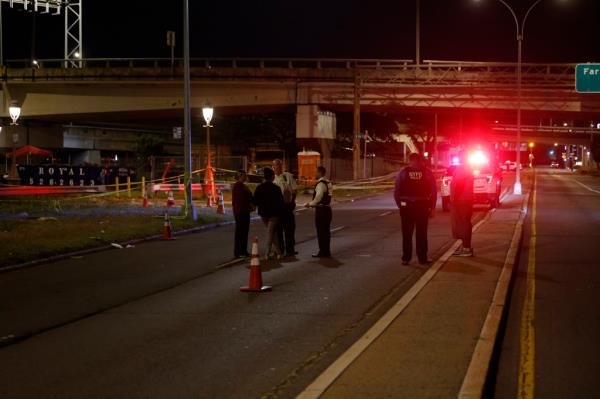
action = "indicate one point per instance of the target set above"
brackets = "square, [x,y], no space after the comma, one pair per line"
[416,196]
[242,202]
[269,200]
[461,202]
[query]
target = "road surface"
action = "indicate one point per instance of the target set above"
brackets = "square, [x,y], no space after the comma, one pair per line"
[551,346]
[166,319]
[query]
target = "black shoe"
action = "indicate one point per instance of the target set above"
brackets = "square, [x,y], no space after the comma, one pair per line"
[405,262]
[425,262]
[290,254]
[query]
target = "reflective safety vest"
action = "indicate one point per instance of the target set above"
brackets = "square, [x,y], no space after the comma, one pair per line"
[326,200]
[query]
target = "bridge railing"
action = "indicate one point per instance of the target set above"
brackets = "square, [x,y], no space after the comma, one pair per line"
[336,63]
[390,71]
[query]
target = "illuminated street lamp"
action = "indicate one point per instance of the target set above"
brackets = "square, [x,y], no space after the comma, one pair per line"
[209,179]
[520,33]
[14,110]
[531,145]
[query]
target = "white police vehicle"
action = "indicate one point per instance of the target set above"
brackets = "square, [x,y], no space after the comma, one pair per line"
[487,180]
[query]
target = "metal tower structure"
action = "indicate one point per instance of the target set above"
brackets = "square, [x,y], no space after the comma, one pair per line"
[73,34]
[73,24]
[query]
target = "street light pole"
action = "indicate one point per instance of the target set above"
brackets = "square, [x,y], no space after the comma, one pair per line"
[209,178]
[418,34]
[187,119]
[520,32]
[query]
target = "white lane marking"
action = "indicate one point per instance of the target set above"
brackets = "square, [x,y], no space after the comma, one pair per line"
[319,385]
[386,213]
[475,378]
[586,187]
[231,263]
[337,229]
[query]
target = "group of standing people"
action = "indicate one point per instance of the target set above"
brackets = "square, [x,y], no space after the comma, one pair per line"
[275,201]
[416,197]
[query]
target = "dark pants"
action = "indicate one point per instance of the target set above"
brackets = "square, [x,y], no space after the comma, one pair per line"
[461,213]
[286,230]
[242,225]
[323,217]
[415,216]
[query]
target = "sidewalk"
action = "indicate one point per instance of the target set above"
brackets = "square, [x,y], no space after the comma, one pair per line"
[425,347]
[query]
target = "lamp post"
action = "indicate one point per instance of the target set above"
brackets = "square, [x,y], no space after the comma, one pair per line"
[187,119]
[207,113]
[520,31]
[531,145]
[14,110]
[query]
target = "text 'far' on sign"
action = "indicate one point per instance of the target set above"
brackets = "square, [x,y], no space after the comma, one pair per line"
[587,78]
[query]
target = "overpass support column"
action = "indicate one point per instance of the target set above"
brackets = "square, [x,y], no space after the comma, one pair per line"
[356,131]
[316,130]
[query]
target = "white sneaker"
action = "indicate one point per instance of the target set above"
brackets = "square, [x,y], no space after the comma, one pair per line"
[463,252]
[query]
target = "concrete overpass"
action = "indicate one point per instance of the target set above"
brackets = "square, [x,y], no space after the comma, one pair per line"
[117,85]
[307,87]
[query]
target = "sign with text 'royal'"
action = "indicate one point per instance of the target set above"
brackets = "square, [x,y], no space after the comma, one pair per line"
[587,78]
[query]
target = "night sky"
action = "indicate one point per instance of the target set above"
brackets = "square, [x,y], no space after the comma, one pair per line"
[557,31]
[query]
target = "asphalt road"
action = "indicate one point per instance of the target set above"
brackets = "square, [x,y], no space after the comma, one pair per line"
[559,344]
[166,319]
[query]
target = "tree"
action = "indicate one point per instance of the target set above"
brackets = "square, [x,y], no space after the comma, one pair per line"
[146,146]
[417,132]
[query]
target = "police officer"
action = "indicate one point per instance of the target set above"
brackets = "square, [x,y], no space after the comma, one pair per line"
[416,196]
[322,203]
[461,200]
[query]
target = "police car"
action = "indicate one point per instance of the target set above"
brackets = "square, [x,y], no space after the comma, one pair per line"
[487,181]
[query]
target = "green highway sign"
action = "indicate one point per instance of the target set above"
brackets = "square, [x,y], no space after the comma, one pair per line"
[587,78]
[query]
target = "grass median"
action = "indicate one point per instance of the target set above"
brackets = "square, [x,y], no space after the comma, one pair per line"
[25,240]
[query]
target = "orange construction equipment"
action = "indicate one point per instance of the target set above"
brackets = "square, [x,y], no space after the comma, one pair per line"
[145,200]
[170,200]
[255,284]
[221,207]
[167,228]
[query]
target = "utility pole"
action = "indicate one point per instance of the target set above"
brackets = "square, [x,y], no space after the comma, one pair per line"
[435,151]
[356,130]
[365,155]
[187,120]
[1,39]
[418,34]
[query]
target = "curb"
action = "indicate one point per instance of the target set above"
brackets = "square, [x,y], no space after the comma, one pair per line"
[473,384]
[322,382]
[88,251]
[54,258]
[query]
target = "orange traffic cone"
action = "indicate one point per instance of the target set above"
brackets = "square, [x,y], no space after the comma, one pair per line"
[255,284]
[145,200]
[167,228]
[221,207]
[170,200]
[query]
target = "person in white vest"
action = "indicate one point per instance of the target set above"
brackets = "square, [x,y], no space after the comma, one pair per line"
[322,203]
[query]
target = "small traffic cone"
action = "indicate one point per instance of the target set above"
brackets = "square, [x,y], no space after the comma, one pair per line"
[255,283]
[145,200]
[167,228]
[170,200]
[221,207]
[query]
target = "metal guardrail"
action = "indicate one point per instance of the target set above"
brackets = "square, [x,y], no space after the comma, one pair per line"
[290,63]
[391,71]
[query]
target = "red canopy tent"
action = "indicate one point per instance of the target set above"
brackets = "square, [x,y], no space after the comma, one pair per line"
[30,150]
